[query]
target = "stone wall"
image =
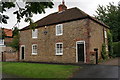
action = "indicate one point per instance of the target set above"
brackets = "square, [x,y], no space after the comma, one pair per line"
[9,54]
[72,32]
[97,37]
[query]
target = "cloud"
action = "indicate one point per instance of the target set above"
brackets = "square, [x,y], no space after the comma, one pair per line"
[88,6]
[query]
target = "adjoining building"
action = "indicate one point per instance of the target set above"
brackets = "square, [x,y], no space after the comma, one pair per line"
[7,53]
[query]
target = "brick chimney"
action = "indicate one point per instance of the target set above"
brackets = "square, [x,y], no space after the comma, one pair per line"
[62,6]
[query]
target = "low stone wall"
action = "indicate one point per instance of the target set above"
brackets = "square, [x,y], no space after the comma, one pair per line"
[10,56]
[93,57]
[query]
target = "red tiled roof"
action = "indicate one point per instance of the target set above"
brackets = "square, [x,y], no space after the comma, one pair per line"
[8,32]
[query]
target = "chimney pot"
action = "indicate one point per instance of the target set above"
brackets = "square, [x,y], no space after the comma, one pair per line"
[62,6]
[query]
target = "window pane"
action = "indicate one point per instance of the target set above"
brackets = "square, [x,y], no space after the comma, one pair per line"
[60,45]
[59,29]
[59,48]
[1,42]
[57,45]
[34,47]
[34,33]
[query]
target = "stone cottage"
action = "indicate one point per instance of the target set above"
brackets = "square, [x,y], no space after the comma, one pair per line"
[66,36]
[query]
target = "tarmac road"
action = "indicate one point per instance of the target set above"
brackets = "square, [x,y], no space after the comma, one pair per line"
[98,71]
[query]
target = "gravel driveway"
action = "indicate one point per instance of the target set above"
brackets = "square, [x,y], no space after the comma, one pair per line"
[114,61]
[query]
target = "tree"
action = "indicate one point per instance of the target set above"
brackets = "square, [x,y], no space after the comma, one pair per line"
[15,41]
[2,33]
[27,11]
[110,44]
[110,15]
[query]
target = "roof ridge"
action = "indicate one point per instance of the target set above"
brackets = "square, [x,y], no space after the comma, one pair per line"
[65,16]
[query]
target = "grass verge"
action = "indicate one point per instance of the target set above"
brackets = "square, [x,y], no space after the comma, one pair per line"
[32,70]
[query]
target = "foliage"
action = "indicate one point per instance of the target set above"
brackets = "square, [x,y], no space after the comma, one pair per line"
[104,53]
[110,15]
[2,33]
[27,11]
[116,50]
[15,31]
[110,44]
[31,70]
[15,41]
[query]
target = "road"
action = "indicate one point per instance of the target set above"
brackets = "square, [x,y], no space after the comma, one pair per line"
[109,69]
[97,71]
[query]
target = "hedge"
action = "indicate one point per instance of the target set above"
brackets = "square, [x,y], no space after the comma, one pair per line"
[116,49]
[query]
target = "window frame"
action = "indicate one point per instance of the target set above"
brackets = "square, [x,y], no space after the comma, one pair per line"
[56,49]
[2,40]
[33,32]
[105,34]
[33,50]
[58,34]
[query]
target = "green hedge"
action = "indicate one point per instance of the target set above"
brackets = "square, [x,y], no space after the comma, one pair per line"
[116,49]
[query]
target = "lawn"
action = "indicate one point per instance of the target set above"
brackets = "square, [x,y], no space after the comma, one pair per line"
[32,70]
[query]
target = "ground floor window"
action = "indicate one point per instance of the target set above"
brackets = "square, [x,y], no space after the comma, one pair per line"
[34,49]
[1,42]
[59,48]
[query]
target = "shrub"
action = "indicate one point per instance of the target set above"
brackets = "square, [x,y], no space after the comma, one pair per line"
[104,53]
[116,50]
[110,44]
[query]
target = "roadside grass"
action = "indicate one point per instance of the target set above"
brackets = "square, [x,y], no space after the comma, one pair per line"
[0,67]
[32,70]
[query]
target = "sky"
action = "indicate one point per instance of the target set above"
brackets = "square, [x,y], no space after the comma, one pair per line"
[88,6]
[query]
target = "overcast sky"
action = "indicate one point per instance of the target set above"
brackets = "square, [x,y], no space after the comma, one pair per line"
[88,6]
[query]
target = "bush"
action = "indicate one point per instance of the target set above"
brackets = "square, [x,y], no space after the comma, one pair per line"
[15,41]
[116,50]
[110,44]
[104,53]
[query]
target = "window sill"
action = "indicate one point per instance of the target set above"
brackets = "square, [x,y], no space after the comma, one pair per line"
[59,54]
[34,37]
[34,54]
[59,34]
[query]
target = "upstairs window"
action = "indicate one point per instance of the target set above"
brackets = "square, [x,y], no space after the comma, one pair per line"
[59,48]
[59,29]
[35,33]
[1,42]
[34,49]
[105,34]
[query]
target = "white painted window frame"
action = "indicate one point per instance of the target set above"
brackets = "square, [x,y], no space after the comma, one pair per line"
[61,25]
[21,52]
[81,42]
[2,41]
[32,49]
[56,48]
[33,32]
[105,34]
